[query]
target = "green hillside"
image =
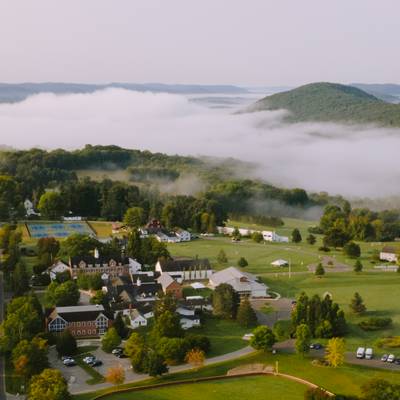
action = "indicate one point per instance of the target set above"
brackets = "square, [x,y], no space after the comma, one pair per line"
[331,102]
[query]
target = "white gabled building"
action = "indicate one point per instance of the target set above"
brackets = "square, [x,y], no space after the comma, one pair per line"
[247,285]
[183,236]
[135,318]
[58,268]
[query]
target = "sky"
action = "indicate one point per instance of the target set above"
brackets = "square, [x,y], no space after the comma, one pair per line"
[244,42]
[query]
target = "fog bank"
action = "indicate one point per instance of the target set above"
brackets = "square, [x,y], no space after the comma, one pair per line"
[352,161]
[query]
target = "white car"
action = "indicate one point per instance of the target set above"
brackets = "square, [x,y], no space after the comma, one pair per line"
[360,352]
[391,358]
[69,362]
[89,359]
[369,354]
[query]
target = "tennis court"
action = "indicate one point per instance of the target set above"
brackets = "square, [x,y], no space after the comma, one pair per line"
[58,230]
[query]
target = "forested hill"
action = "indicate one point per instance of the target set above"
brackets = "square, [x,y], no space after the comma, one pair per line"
[331,102]
[32,173]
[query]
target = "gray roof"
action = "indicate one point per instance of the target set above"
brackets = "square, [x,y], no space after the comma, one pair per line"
[240,281]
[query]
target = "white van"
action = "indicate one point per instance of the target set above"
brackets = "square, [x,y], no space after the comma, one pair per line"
[369,354]
[361,352]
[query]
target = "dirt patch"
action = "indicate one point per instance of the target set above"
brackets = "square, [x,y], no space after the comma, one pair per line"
[331,265]
[250,369]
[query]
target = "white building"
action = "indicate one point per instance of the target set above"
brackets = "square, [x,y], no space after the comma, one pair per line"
[183,236]
[268,236]
[134,266]
[135,318]
[29,208]
[244,283]
[57,268]
[163,238]
[186,270]
[188,318]
[280,263]
[388,254]
[271,236]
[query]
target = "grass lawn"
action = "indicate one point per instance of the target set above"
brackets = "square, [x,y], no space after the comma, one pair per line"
[101,228]
[379,291]
[346,379]
[225,336]
[236,389]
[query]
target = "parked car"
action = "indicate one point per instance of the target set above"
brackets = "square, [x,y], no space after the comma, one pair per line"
[96,363]
[397,361]
[360,352]
[63,358]
[316,346]
[384,357]
[391,358]
[117,350]
[69,362]
[369,354]
[89,359]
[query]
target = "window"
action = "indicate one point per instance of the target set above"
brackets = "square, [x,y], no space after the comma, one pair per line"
[78,332]
[57,325]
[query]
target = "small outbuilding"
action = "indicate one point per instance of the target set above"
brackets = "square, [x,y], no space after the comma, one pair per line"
[280,263]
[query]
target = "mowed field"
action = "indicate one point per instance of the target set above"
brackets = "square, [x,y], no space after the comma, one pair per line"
[256,388]
[380,291]
[260,255]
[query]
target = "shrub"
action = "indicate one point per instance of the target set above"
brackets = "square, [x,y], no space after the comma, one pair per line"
[325,249]
[352,249]
[316,394]
[375,324]
[201,342]
[391,342]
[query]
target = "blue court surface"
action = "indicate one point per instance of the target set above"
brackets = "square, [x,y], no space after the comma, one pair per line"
[60,230]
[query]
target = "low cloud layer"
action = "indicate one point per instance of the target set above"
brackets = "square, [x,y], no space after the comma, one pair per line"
[353,161]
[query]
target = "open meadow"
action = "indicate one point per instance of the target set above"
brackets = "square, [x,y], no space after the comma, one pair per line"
[256,388]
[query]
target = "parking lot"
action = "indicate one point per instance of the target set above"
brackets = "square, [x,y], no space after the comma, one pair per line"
[77,377]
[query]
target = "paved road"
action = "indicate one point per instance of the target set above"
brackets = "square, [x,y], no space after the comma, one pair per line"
[2,370]
[82,387]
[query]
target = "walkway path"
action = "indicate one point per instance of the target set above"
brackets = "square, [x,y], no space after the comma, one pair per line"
[84,388]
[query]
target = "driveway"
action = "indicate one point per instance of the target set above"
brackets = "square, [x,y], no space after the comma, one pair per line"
[281,310]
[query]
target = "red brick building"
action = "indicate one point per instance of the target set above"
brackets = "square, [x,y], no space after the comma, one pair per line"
[170,285]
[81,321]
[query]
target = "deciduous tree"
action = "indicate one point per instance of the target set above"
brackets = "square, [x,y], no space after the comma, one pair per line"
[263,338]
[49,385]
[335,351]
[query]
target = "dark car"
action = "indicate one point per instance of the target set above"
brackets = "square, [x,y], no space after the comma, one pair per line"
[316,346]
[96,363]
[397,361]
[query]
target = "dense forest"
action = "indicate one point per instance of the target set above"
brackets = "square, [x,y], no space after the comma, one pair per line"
[51,177]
